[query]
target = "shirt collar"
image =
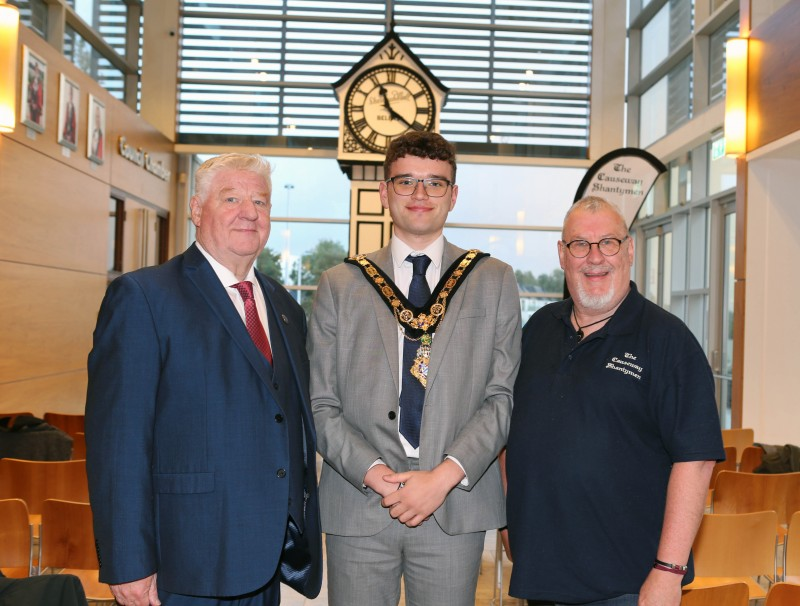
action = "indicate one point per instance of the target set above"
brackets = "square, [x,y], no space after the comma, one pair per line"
[225,275]
[400,250]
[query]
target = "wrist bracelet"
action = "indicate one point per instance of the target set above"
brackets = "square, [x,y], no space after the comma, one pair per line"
[673,568]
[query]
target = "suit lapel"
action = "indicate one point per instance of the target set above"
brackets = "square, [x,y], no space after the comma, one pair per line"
[387,324]
[199,271]
[445,330]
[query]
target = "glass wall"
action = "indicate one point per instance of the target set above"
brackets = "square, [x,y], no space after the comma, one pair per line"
[98,35]
[667,104]
[518,73]
[512,212]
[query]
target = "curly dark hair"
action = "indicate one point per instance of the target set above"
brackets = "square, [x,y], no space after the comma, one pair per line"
[421,144]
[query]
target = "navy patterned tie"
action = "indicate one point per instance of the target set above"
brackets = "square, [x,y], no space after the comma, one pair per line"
[412,395]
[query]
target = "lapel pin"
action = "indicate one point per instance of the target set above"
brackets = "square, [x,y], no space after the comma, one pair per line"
[284,318]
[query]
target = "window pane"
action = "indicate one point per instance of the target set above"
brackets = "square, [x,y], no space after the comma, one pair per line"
[698,249]
[680,181]
[651,279]
[653,120]
[728,276]
[655,40]
[667,104]
[108,18]
[716,60]
[721,168]
[297,253]
[514,195]
[32,13]
[681,18]
[533,255]
[89,59]
[519,72]
[309,188]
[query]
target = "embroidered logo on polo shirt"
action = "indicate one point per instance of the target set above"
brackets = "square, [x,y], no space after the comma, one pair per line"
[626,365]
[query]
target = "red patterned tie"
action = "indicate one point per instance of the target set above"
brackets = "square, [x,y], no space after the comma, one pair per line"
[254,326]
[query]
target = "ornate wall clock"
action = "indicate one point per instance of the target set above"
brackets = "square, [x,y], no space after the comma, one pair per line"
[386,101]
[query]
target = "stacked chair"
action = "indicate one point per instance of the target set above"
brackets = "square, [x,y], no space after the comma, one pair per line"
[46,524]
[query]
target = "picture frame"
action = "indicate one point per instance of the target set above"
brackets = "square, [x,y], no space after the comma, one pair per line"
[68,112]
[34,90]
[96,130]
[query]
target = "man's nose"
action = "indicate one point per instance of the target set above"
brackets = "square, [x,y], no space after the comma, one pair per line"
[594,253]
[419,190]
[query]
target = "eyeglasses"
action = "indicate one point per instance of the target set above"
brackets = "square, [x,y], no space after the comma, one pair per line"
[581,248]
[405,186]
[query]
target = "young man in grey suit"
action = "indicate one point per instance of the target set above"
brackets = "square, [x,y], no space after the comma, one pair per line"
[414,350]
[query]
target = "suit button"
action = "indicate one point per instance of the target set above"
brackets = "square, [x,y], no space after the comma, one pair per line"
[275,385]
[279,418]
[392,415]
[281,473]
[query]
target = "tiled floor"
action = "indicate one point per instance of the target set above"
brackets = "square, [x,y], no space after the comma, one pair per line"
[487,595]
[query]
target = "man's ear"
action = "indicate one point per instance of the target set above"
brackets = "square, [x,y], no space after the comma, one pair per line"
[196,209]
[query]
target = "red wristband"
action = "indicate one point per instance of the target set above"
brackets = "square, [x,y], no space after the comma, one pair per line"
[673,568]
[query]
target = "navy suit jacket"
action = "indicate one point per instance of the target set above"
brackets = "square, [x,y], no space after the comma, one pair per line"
[187,448]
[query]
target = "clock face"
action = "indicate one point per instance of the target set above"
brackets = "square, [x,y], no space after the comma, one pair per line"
[387,101]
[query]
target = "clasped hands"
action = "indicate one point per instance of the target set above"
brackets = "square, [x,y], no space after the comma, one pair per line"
[412,496]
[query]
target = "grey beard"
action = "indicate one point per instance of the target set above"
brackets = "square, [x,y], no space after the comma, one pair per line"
[597,303]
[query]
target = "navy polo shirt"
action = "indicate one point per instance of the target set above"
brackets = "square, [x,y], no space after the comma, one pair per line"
[595,430]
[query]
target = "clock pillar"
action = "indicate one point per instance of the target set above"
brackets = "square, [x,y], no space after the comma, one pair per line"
[387,93]
[370,223]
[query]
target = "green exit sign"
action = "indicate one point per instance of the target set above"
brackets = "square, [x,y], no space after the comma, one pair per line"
[718,148]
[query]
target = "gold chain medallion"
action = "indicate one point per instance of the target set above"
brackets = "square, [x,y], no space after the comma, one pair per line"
[426,319]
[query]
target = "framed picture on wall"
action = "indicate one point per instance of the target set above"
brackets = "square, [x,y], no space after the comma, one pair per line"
[34,90]
[68,105]
[96,133]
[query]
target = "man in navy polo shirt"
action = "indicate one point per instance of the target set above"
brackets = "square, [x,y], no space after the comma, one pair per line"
[614,433]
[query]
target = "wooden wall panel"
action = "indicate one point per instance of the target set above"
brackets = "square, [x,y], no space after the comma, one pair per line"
[54,393]
[54,247]
[51,214]
[47,317]
[774,78]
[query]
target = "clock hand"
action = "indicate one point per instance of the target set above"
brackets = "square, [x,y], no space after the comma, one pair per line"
[397,116]
[389,109]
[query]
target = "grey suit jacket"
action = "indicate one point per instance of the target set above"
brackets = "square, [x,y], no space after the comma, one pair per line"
[353,348]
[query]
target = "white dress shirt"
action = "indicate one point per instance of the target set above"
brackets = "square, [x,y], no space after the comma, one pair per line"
[403,271]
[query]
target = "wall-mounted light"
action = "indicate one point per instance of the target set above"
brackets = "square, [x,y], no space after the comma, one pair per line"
[9,33]
[736,51]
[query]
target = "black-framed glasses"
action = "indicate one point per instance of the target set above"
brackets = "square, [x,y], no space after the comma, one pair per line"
[434,187]
[608,246]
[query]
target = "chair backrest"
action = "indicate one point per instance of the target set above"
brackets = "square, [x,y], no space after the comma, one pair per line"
[751,458]
[16,537]
[732,594]
[783,594]
[79,446]
[35,481]
[738,438]
[736,545]
[68,423]
[67,538]
[739,492]
[791,548]
[729,464]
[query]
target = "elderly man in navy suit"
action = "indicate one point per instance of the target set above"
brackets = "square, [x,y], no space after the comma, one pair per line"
[200,441]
